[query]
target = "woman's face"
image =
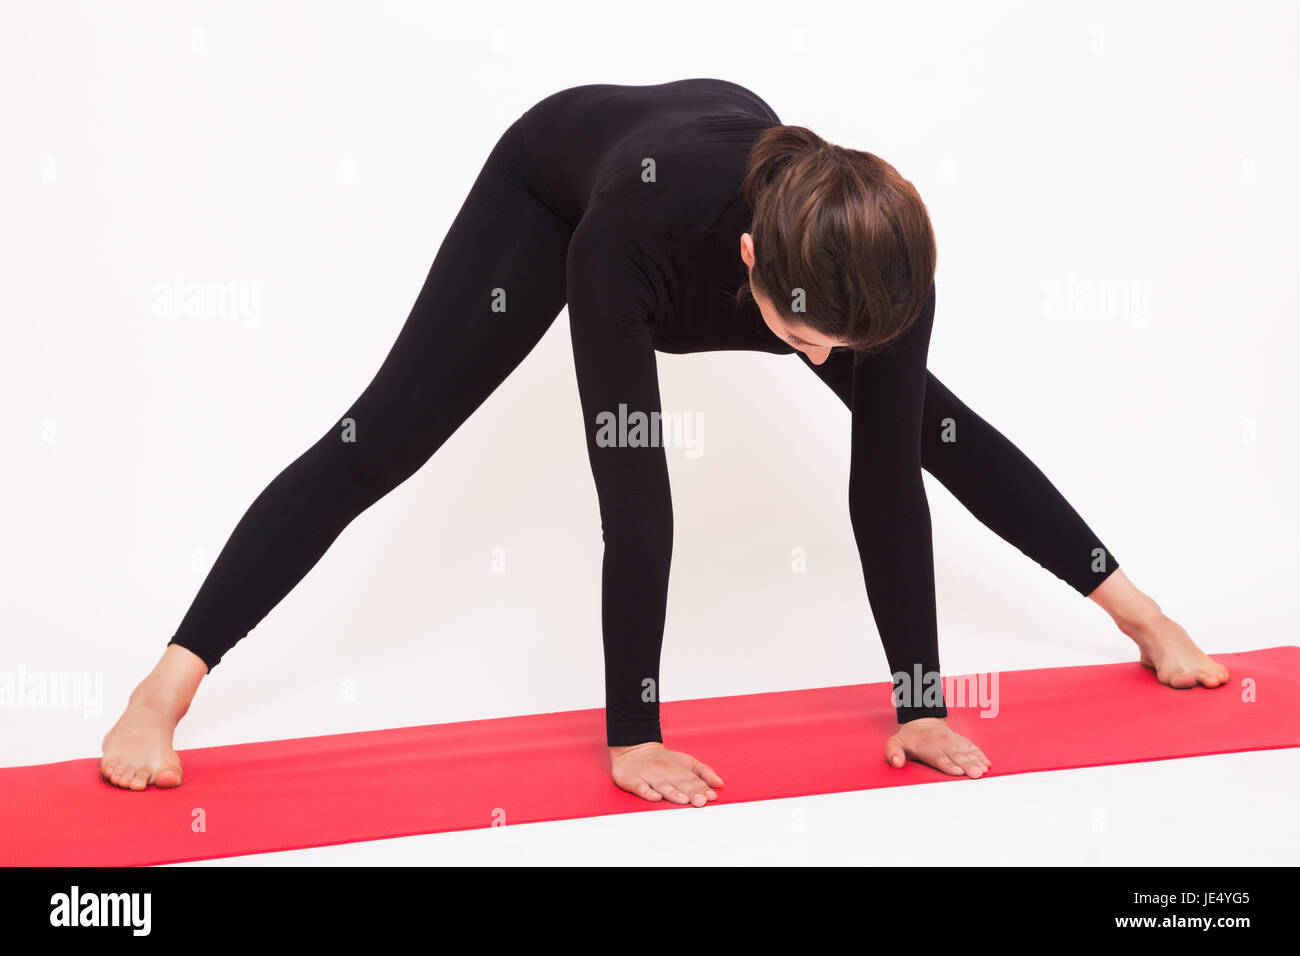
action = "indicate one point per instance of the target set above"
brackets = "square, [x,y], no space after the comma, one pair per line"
[811,343]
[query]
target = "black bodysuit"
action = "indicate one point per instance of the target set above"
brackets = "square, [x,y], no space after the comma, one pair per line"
[622,201]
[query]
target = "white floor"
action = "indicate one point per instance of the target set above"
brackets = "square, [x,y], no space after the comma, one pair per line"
[1232,809]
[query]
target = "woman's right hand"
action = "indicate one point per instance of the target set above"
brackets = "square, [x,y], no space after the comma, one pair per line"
[653,772]
[931,741]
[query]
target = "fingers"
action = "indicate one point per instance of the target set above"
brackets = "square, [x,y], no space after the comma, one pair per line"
[675,788]
[979,754]
[895,753]
[948,765]
[941,749]
[683,788]
[967,758]
[675,777]
[646,792]
[707,774]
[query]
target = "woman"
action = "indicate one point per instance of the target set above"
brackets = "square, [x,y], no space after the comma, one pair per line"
[681,217]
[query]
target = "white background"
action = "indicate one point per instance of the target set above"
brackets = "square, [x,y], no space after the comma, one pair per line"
[316,153]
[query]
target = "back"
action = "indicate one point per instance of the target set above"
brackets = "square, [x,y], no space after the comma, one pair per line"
[590,141]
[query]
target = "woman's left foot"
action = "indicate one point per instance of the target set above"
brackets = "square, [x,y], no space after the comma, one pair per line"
[1168,650]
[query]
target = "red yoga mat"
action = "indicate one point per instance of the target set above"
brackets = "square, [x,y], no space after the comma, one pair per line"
[344,788]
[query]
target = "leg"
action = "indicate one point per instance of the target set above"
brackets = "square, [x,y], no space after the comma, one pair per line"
[1011,496]
[996,482]
[1166,647]
[1007,492]
[496,285]
[452,352]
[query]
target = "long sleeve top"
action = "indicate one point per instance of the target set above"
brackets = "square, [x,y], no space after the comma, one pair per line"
[649,179]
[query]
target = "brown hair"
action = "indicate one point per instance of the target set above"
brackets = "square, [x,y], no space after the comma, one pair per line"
[842,226]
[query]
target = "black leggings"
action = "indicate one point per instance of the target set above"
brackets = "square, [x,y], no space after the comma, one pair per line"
[451,354]
[455,349]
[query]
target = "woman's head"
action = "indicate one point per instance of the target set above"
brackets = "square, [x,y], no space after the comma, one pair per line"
[841,252]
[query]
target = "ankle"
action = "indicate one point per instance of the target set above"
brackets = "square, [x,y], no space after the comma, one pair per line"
[160,697]
[1139,620]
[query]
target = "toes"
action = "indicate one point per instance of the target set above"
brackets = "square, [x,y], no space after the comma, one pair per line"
[131,777]
[168,776]
[1213,676]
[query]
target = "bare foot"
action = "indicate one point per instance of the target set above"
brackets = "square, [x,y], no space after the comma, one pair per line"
[654,773]
[1168,650]
[1165,647]
[930,741]
[138,750]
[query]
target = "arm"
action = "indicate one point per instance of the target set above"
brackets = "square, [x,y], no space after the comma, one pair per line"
[609,306]
[890,513]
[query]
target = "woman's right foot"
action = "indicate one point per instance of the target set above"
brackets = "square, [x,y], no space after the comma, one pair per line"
[138,750]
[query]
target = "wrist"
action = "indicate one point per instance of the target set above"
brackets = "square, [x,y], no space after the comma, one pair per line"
[632,733]
[908,715]
[618,751]
[922,722]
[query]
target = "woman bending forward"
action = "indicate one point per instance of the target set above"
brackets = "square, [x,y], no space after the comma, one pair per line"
[679,217]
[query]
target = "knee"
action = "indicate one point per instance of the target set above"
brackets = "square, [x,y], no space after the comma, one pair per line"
[381,453]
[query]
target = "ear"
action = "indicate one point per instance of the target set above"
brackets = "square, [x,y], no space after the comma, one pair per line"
[747,249]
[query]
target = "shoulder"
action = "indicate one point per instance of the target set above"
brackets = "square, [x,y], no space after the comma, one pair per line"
[612,227]
[609,259]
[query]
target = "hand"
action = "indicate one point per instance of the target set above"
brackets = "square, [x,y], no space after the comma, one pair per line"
[930,741]
[653,772]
